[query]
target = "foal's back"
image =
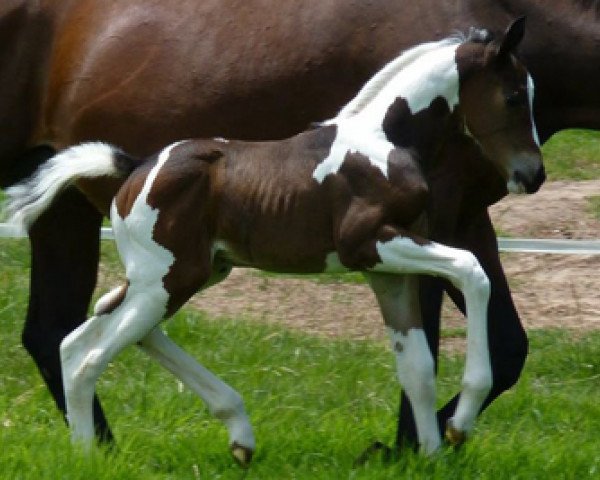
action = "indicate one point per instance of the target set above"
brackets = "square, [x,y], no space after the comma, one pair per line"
[237,199]
[240,194]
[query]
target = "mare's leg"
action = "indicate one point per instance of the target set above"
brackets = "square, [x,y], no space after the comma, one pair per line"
[65,249]
[507,337]
[399,303]
[222,400]
[402,255]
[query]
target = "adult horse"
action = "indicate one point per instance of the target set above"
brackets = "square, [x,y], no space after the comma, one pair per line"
[143,73]
[344,196]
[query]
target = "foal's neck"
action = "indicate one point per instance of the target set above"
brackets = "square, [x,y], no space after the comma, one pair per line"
[410,102]
[424,132]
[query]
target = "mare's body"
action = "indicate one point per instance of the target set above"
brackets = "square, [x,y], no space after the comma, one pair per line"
[141,74]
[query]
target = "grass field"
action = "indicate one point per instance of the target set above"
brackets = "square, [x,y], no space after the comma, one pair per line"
[573,155]
[315,403]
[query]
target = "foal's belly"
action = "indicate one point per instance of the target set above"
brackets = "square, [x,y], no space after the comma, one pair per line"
[281,248]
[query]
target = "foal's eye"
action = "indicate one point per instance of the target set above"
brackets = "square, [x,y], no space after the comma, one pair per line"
[516,98]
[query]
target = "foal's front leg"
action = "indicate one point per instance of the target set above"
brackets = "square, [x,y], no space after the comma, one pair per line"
[405,254]
[398,298]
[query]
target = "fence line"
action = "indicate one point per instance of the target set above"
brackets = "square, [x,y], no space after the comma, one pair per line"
[518,245]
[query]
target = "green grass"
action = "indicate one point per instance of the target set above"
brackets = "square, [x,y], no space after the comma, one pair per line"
[315,404]
[573,155]
[594,206]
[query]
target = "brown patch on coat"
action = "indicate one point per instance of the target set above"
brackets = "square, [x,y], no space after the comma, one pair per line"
[406,129]
[100,191]
[183,194]
[132,187]
[372,202]
[266,196]
[252,196]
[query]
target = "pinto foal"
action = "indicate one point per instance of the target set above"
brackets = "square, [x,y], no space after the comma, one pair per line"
[347,195]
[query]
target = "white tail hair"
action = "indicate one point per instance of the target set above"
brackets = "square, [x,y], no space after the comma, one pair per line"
[28,199]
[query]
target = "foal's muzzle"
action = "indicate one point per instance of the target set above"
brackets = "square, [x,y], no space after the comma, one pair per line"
[524,180]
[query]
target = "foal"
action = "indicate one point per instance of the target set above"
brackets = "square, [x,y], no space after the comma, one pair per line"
[347,195]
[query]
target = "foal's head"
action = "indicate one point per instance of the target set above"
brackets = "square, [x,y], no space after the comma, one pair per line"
[496,100]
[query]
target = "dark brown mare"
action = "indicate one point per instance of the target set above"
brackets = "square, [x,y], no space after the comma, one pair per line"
[347,195]
[144,73]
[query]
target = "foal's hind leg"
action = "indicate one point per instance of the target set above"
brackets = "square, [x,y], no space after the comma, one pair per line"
[190,272]
[222,400]
[86,352]
[398,298]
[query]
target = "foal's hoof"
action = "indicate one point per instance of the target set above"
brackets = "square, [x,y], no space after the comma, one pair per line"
[455,437]
[241,454]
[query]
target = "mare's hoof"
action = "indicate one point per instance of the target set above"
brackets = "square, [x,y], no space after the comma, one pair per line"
[376,449]
[455,437]
[241,454]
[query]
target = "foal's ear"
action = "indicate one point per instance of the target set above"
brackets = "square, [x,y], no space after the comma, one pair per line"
[512,37]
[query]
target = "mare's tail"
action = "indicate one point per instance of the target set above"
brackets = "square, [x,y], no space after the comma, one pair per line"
[28,199]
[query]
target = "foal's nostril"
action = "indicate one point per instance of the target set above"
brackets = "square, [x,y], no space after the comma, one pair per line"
[540,178]
[531,183]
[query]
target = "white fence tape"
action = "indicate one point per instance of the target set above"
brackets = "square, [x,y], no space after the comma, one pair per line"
[534,245]
[8,231]
[520,245]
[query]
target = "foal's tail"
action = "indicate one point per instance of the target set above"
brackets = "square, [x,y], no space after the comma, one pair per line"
[28,199]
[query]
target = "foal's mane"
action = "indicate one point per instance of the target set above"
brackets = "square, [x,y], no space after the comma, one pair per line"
[370,90]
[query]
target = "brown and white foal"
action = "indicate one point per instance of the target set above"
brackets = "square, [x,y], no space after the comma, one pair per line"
[344,196]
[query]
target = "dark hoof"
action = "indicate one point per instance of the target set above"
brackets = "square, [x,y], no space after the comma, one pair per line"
[241,454]
[453,436]
[376,448]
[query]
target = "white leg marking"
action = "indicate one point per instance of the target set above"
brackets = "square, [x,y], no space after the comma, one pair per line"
[222,400]
[416,373]
[398,298]
[402,255]
[86,352]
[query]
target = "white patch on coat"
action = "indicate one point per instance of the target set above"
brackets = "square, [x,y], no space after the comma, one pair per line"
[418,78]
[145,260]
[514,186]
[530,95]
[416,374]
